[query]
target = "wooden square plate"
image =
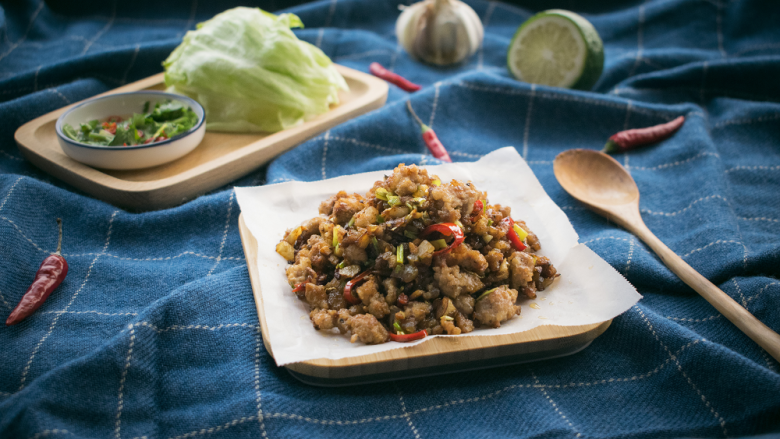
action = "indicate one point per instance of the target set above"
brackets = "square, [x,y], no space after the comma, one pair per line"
[219,159]
[436,356]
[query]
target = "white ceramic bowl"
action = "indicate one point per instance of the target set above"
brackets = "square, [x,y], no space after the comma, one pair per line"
[128,157]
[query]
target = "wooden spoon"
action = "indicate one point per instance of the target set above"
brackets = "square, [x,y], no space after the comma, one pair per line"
[599,181]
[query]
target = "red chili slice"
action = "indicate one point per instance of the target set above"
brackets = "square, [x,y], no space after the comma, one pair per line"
[403,300]
[300,287]
[446,229]
[512,235]
[409,337]
[348,287]
[478,206]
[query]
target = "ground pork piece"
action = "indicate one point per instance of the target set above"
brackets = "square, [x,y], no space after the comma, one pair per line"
[326,207]
[463,323]
[452,201]
[367,289]
[366,217]
[418,310]
[521,266]
[345,207]
[355,255]
[494,259]
[497,307]
[391,290]
[453,283]
[311,227]
[336,299]
[323,318]
[406,179]
[343,316]
[467,259]
[378,307]
[366,328]
[465,304]
[316,296]
[319,253]
[299,271]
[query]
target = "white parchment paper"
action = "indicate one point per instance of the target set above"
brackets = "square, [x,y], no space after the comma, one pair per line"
[588,291]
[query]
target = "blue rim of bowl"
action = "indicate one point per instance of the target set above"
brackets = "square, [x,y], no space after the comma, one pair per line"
[58,125]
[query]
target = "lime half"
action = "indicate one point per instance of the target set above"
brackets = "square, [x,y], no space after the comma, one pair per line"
[557,48]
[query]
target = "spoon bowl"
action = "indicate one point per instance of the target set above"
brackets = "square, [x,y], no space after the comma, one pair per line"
[599,181]
[591,176]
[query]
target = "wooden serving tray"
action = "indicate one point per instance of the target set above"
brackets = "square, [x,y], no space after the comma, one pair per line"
[436,356]
[219,159]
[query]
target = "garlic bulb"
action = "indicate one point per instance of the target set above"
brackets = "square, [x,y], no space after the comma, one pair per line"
[439,32]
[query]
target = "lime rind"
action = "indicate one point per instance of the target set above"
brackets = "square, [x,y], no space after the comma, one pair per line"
[557,48]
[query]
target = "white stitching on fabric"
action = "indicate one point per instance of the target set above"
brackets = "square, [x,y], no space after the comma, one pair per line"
[630,254]
[325,153]
[679,367]
[12,157]
[132,62]
[606,237]
[203,431]
[22,233]
[573,208]
[122,383]
[50,432]
[57,92]
[363,54]
[225,233]
[321,33]
[555,406]
[717,316]
[753,168]
[93,312]
[720,241]
[258,342]
[639,32]
[466,154]
[435,103]
[72,299]
[485,22]
[677,163]
[370,145]
[102,31]
[739,291]
[8,194]
[759,219]
[719,21]
[710,197]
[190,20]
[26,32]
[406,413]
[204,327]
[5,302]
[527,128]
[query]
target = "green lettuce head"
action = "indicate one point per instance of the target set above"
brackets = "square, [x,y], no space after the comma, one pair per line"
[251,73]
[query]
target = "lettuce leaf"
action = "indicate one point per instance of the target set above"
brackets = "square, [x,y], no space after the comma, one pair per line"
[251,73]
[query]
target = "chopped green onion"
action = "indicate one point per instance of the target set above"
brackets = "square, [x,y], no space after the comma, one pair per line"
[336,250]
[436,182]
[342,264]
[409,206]
[375,244]
[487,238]
[399,255]
[490,223]
[459,224]
[448,318]
[419,200]
[439,244]
[351,222]
[409,234]
[393,200]
[336,236]
[397,328]
[381,193]
[380,219]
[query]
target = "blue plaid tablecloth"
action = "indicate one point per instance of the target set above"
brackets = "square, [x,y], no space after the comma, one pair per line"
[154,332]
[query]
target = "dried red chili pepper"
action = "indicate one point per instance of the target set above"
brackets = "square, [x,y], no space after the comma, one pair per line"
[409,337]
[446,229]
[403,300]
[348,287]
[429,136]
[630,139]
[512,235]
[300,287]
[49,276]
[377,70]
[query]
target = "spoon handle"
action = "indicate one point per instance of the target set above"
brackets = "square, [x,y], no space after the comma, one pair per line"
[739,316]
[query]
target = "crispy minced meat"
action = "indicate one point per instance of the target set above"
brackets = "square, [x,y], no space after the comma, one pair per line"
[403,273]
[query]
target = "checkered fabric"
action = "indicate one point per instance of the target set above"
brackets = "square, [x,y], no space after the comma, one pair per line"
[154,332]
